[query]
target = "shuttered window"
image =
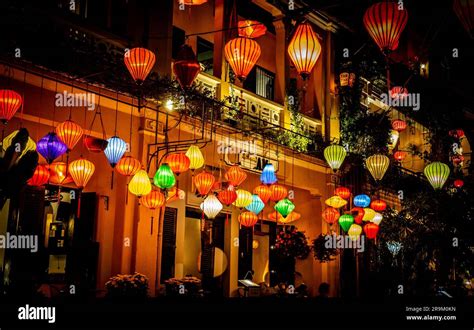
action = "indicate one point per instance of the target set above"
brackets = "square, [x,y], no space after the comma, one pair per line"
[169,244]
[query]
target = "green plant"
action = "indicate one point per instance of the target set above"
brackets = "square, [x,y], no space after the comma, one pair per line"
[135,285]
[292,243]
[321,252]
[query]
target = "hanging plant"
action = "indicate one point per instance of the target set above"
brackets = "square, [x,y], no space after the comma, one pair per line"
[292,243]
[321,252]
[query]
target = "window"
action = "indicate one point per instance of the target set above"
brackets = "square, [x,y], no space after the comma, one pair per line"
[205,55]
[260,82]
[179,37]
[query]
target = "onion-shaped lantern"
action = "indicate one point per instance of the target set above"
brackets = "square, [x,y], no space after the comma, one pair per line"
[211,206]
[458,183]
[51,147]
[345,221]
[70,133]
[196,158]
[362,200]
[256,206]
[336,202]
[371,230]
[128,165]
[358,214]
[378,205]
[58,171]
[331,215]
[437,173]
[377,219]
[248,219]
[399,125]
[40,176]
[251,29]
[235,175]
[139,62]
[335,156]
[81,171]
[304,49]
[284,207]
[343,192]
[164,177]
[377,166]
[10,102]
[264,192]
[153,200]
[400,155]
[268,174]
[140,184]
[204,182]
[354,231]
[242,55]
[278,192]
[227,196]
[116,147]
[244,198]
[186,67]
[178,163]
[369,214]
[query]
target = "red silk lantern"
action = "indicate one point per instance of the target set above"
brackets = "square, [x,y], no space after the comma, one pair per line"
[10,102]
[128,165]
[457,133]
[358,214]
[57,171]
[40,176]
[235,175]
[399,125]
[139,62]
[457,159]
[227,197]
[371,230]
[251,29]
[204,182]
[70,133]
[343,192]
[304,49]
[192,2]
[81,171]
[378,205]
[178,163]
[458,183]
[153,200]
[331,215]
[464,10]
[385,23]
[186,67]
[248,219]
[398,92]
[400,155]
[242,55]
[278,192]
[264,192]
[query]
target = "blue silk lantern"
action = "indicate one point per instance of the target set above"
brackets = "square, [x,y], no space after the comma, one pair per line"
[116,147]
[256,206]
[51,147]
[268,175]
[362,200]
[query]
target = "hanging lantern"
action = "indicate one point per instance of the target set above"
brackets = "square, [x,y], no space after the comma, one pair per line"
[354,231]
[358,214]
[268,174]
[399,155]
[284,207]
[40,176]
[378,205]
[394,135]
[458,183]
[385,22]
[58,171]
[178,163]
[345,221]
[244,198]
[278,192]
[377,219]
[331,215]
[164,177]
[369,214]
[10,102]
[335,156]
[256,206]
[242,55]
[235,175]
[437,173]
[116,147]
[251,29]
[293,216]
[195,157]
[227,197]
[139,62]
[51,147]
[248,219]
[343,192]
[399,125]
[336,202]
[398,92]
[204,182]
[153,200]
[377,166]
[8,140]
[362,200]
[275,216]
[371,230]
[140,184]
[81,171]
[70,133]
[457,133]
[264,192]
[464,10]
[192,2]
[186,67]
[128,166]
[304,49]
[211,206]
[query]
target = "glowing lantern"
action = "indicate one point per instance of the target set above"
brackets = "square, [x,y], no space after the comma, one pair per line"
[242,54]
[211,206]
[8,140]
[128,166]
[139,62]
[256,206]
[164,177]
[399,125]
[378,205]
[244,198]
[385,22]
[268,174]
[178,163]
[81,171]
[398,92]
[51,147]
[255,244]
[377,166]
[437,173]
[345,221]
[116,147]
[394,135]
[192,2]
[377,219]
[264,192]
[227,197]
[153,200]
[464,10]
[248,219]
[336,202]
[354,231]
[204,182]
[457,133]
[10,102]
[331,215]
[400,155]
[140,184]
[335,156]
[195,157]
[70,133]
[362,200]
[343,192]
[304,49]
[251,29]
[186,67]
[235,175]
[278,192]
[284,207]
[275,216]
[293,216]
[371,230]
[458,183]
[358,214]
[58,172]
[369,214]
[40,176]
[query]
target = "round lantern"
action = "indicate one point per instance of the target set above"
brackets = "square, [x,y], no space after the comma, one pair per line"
[335,156]
[399,155]
[70,133]
[153,200]
[248,219]
[204,182]
[354,231]
[116,147]
[377,166]
[40,176]
[331,215]
[284,207]
[244,198]
[211,206]
[278,192]
[345,221]
[10,102]
[8,140]
[378,205]
[81,171]
[235,175]
[394,136]
[196,159]
[178,163]
[268,174]
[385,22]
[264,192]
[377,219]
[251,29]
[227,197]
[128,166]
[140,184]
[139,62]
[458,183]
[369,214]
[304,49]
[358,214]
[371,230]
[336,202]
[242,54]
[437,173]
[256,206]
[399,125]
[51,147]
[58,171]
[186,67]
[164,177]
[343,192]
[362,200]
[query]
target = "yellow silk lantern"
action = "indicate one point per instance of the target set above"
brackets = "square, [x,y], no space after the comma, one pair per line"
[196,159]
[336,202]
[140,184]
[369,214]
[377,166]
[244,198]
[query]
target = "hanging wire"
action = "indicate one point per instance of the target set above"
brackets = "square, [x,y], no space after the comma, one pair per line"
[23,99]
[54,109]
[116,114]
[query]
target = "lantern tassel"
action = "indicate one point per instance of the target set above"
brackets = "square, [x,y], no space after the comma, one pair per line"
[79,205]
[112,180]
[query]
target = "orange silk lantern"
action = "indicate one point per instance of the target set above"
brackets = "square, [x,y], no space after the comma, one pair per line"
[242,55]
[248,219]
[378,205]
[235,175]
[153,200]
[399,125]
[371,230]
[128,165]
[358,214]
[81,171]
[304,49]
[139,62]
[343,192]
[227,197]
[191,2]
[331,215]
[399,155]
[10,102]
[278,192]
[204,182]
[40,176]
[178,163]
[70,133]
[57,171]
[251,29]
[264,192]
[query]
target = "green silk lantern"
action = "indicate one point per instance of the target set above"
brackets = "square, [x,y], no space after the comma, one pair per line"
[164,177]
[335,156]
[437,173]
[346,221]
[284,207]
